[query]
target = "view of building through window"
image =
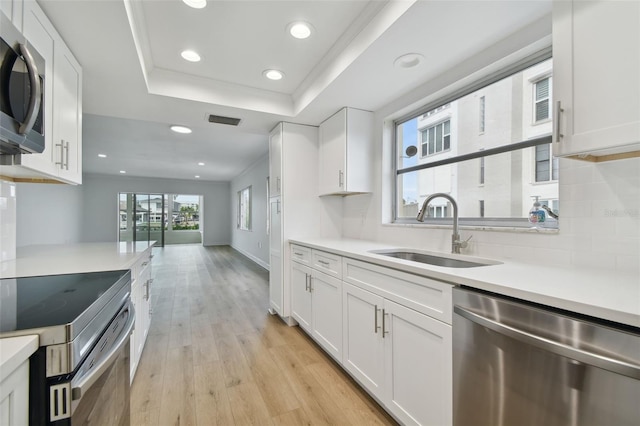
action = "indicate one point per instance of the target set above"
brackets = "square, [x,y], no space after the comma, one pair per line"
[164,218]
[500,185]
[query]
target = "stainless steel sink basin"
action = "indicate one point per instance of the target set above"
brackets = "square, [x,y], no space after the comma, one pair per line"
[431,259]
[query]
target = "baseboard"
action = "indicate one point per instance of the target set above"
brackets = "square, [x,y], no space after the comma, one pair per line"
[253,258]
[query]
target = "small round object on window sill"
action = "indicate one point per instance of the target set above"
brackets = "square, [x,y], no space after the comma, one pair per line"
[410,60]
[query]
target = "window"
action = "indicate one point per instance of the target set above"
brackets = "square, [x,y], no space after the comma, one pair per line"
[481,114]
[436,138]
[546,164]
[542,89]
[244,209]
[493,184]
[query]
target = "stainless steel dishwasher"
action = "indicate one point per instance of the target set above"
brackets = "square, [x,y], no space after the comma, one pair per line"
[516,363]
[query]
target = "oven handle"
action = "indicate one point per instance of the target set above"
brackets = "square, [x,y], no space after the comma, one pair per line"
[86,382]
[601,361]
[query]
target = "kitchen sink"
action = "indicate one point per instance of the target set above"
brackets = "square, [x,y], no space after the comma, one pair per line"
[431,259]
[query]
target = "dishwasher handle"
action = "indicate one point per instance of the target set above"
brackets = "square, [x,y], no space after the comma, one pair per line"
[614,365]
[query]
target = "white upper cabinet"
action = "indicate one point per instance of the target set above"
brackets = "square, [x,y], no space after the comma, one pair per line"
[275,161]
[67,114]
[61,160]
[596,69]
[346,140]
[12,9]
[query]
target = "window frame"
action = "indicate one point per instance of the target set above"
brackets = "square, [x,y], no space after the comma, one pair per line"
[536,101]
[443,135]
[498,222]
[240,224]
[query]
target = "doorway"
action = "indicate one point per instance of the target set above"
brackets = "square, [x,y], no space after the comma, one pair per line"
[164,218]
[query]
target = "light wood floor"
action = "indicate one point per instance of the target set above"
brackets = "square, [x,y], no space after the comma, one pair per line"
[215,357]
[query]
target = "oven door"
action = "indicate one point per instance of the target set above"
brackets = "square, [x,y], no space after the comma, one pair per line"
[98,393]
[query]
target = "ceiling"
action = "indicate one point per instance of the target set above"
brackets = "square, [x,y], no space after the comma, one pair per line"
[136,84]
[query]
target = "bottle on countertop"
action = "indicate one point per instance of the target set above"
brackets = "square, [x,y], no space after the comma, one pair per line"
[536,214]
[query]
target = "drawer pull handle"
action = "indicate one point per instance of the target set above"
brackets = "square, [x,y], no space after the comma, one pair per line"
[297,254]
[322,262]
[375,319]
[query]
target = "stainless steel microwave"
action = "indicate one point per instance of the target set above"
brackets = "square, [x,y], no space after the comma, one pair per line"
[22,79]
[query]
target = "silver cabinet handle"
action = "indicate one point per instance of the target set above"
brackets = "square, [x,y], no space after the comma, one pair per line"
[376,327]
[146,288]
[607,363]
[306,282]
[340,178]
[278,206]
[36,92]
[310,284]
[278,183]
[61,162]
[144,264]
[559,112]
[297,254]
[66,148]
[384,314]
[323,263]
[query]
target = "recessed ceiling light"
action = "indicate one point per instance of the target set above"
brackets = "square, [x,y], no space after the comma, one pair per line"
[123,171]
[197,176]
[102,155]
[201,164]
[410,60]
[300,30]
[273,74]
[196,4]
[190,55]
[181,129]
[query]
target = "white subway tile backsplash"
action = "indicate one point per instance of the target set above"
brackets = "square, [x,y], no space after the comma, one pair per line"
[8,220]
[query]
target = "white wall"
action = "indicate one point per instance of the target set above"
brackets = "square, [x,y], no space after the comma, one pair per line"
[48,213]
[599,219]
[255,243]
[100,208]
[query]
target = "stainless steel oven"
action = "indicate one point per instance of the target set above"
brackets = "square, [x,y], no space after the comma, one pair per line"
[516,363]
[80,373]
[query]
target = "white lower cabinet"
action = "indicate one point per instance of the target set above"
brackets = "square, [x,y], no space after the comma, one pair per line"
[418,366]
[402,357]
[326,305]
[301,296]
[14,397]
[316,303]
[140,297]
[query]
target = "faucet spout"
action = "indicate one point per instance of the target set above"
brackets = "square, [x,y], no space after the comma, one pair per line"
[456,244]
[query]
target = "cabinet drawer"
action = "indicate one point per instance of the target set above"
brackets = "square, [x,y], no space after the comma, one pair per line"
[425,295]
[301,254]
[327,262]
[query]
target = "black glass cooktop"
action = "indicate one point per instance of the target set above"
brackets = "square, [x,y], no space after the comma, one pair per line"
[36,302]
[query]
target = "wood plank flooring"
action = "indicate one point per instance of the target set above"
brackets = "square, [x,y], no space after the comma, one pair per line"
[214,356]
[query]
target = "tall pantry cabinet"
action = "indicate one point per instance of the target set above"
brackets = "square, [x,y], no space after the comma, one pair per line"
[295,210]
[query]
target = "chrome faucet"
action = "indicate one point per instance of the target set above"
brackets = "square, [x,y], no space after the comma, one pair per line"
[456,244]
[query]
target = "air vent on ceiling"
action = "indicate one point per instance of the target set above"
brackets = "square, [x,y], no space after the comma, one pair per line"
[223,120]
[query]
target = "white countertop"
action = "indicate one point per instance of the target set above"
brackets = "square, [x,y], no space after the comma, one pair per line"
[595,292]
[50,259]
[14,351]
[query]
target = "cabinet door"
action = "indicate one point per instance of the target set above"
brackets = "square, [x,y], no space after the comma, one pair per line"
[12,9]
[275,256]
[595,70]
[67,113]
[42,36]
[301,295]
[418,366]
[363,344]
[14,397]
[326,298]
[333,134]
[275,161]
